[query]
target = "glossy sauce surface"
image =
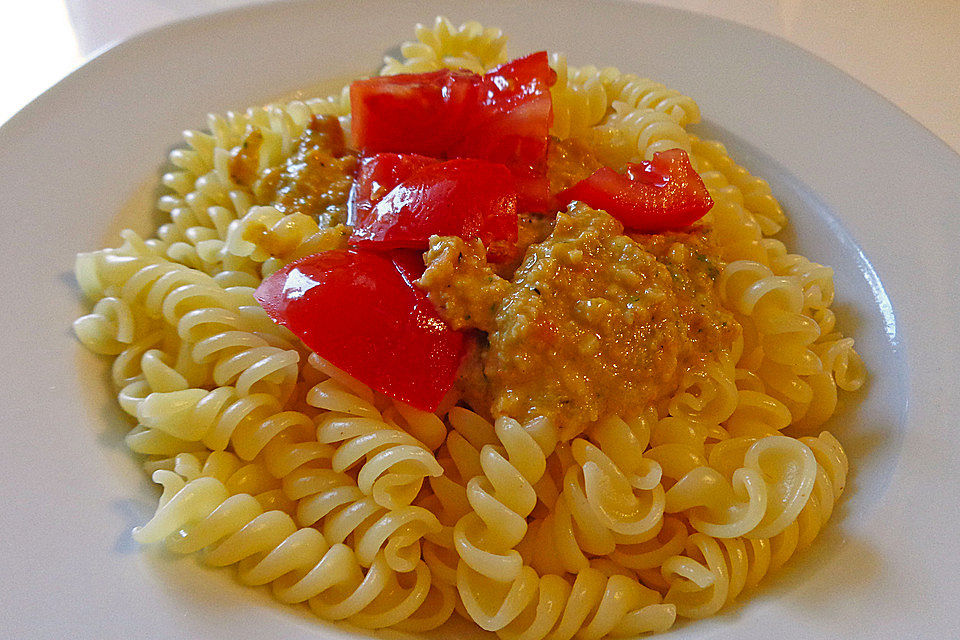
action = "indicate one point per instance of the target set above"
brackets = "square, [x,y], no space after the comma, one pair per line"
[593,322]
[315,180]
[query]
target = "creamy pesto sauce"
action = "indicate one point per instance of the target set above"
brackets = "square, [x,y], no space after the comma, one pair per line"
[315,180]
[593,321]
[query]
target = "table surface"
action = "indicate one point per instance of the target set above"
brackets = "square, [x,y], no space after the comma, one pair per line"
[906,50]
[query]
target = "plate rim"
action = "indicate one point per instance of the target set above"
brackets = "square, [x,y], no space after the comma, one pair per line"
[205,20]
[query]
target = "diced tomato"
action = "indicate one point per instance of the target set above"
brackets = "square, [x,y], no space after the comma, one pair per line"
[358,310]
[533,190]
[662,194]
[465,197]
[503,116]
[377,176]
[413,113]
[409,262]
[514,115]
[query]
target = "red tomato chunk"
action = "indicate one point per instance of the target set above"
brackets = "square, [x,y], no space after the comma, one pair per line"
[360,311]
[514,114]
[376,177]
[466,197]
[412,113]
[662,194]
[503,116]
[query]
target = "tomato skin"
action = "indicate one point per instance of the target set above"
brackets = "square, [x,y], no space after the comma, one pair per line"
[663,194]
[533,190]
[358,310]
[377,176]
[464,197]
[503,116]
[413,113]
[514,114]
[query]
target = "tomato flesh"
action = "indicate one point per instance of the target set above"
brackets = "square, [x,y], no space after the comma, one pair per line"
[412,113]
[663,194]
[377,176]
[503,116]
[514,114]
[464,197]
[360,311]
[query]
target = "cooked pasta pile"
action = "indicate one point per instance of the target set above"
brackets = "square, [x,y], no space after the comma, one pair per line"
[376,513]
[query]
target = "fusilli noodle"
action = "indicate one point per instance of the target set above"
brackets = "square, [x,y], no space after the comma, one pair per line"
[384,515]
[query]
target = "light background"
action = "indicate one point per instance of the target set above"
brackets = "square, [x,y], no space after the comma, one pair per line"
[907,50]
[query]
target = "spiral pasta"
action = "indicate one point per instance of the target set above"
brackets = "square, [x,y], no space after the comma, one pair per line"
[469,46]
[631,134]
[579,99]
[753,193]
[392,464]
[218,419]
[299,562]
[502,496]
[380,514]
[332,501]
[637,92]
[597,509]
[713,571]
[592,605]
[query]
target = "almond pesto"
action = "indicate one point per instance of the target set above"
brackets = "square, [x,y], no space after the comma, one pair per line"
[593,322]
[314,180]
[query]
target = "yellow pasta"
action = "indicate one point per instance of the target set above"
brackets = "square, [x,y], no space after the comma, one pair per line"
[469,46]
[381,514]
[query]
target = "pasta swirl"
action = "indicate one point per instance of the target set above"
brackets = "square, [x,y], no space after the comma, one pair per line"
[220,418]
[579,99]
[502,497]
[775,305]
[269,548]
[763,497]
[534,607]
[469,46]
[376,513]
[637,92]
[712,572]
[598,508]
[208,316]
[633,134]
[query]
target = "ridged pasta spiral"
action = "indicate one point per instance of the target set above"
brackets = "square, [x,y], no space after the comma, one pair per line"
[707,395]
[712,572]
[775,306]
[143,369]
[299,563]
[470,46]
[579,99]
[503,496]
[218,419]
[635,134]
[754,193]
[637,92]
[762,497]
[268,237]
[236,475]
[332,502]
[840,359]
[598,508]
[592,605]
[214,320]
[757,414]
[392,464]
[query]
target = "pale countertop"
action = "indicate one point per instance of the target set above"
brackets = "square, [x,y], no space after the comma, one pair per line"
[906,50]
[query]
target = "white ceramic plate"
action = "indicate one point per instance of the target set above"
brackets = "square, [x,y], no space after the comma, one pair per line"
[869,191]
